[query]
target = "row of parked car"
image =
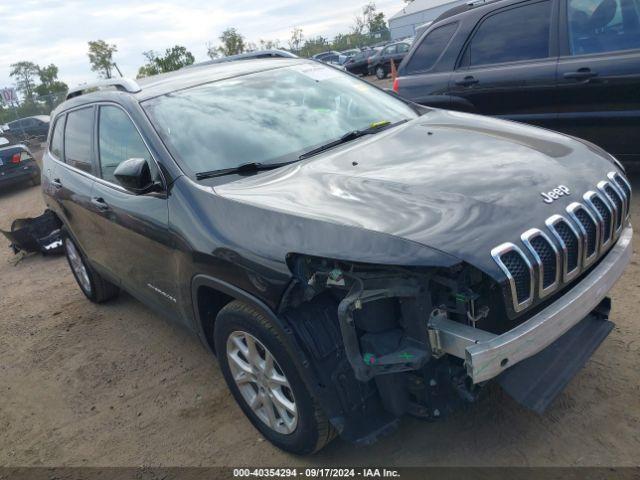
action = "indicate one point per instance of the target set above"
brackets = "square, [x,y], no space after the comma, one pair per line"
[368,60]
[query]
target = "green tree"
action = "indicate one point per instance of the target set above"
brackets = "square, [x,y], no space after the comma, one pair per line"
[51,90]
[297,40]
[232,44]
[25,72]
[101,57]
[378,27]
[174,58]
[268,44]
[315,45]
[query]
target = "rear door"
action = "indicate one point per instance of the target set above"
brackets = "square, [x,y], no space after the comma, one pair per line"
[133,228]
[423,81]
[508,65]
[387,54]
[599,74]
[73,180]
[401,51]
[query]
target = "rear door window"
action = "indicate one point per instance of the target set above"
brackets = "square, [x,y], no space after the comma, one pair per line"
[78,139]
[512,35]
[55,146]
[431,48]
[598,26]
[118,140]
[390,50]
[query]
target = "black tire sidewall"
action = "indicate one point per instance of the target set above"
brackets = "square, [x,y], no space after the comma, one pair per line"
[305,437]
[90,295]
[384,73]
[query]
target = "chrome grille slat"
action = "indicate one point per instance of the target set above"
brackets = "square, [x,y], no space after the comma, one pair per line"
[547,260]
[616,202]
[569,245]
[604,215]
[589,230]
[625,187]
[613,177]
[507,256]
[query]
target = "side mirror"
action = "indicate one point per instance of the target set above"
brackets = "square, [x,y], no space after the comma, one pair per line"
[134,175]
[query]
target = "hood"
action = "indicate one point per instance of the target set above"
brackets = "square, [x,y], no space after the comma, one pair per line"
[454,182]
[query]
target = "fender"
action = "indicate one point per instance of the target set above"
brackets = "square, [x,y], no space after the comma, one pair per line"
[282,326]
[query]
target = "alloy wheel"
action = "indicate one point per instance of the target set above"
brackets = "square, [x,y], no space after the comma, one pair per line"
[77,265]
[262,383]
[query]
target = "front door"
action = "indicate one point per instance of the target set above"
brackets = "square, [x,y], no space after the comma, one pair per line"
[599,74]
[135,236]
[508,65]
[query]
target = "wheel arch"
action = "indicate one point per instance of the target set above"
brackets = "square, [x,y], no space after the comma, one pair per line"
[210,295]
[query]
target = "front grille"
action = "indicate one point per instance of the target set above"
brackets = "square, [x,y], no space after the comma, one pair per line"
[575,242]
[520,273]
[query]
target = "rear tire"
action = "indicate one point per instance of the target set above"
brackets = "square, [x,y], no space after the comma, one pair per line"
[282,410]
[381,73]
[95,287]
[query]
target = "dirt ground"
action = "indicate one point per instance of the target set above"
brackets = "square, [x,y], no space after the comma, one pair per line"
[116,385]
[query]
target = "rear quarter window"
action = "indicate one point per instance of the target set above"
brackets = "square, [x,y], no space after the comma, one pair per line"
[431,48]
[55,145]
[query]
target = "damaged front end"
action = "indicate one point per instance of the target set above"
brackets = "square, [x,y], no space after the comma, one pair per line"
[384,341]
[366,329]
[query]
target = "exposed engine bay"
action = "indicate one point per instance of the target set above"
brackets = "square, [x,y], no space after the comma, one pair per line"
[389,341]
[368,330]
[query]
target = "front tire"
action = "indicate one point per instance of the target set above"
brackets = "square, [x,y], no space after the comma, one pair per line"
[92,284]
[260,372]
[381,73]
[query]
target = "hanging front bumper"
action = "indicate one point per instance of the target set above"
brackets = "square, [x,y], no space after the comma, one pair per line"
[487,355]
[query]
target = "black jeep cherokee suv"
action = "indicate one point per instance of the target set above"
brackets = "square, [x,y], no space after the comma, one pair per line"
[348,256]
[567,65]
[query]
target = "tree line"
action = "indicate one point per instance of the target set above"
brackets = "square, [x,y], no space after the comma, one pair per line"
[41,90]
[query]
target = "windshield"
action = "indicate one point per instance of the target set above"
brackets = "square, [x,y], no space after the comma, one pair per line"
[268,117]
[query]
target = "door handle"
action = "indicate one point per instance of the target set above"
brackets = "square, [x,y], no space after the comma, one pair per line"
[467,81]
[56,183]
[580,74]
[99,203]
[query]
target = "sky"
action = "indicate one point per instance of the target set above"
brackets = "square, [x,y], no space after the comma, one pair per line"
[57,31]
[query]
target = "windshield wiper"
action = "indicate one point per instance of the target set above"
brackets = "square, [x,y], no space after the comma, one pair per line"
[352,135]
[245,167]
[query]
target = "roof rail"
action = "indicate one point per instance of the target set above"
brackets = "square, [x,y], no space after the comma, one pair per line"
[123,84]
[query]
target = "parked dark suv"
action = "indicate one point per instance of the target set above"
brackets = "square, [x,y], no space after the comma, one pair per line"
[350,257]
[568,65]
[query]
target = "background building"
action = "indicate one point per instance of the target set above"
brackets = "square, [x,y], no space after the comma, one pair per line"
[415,14]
